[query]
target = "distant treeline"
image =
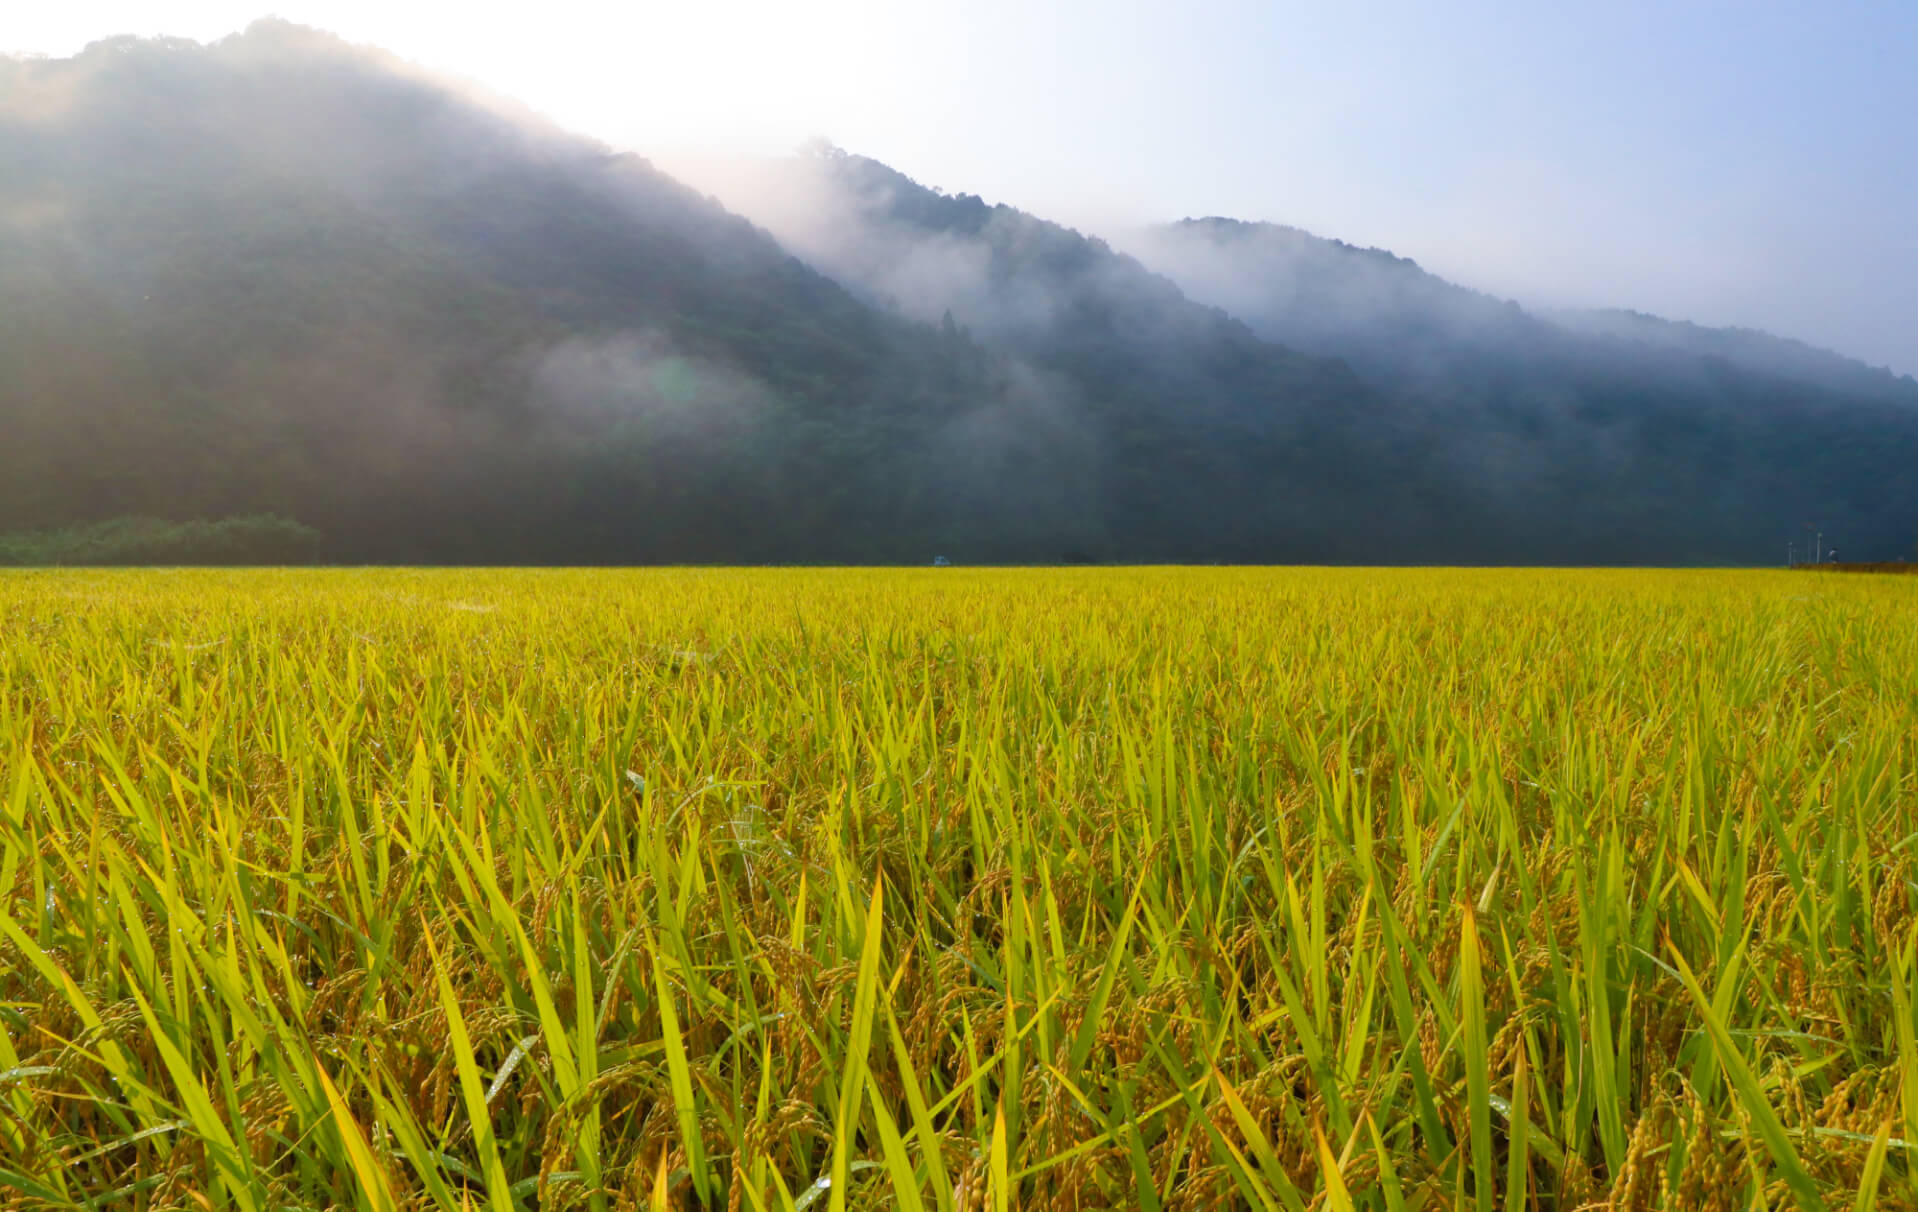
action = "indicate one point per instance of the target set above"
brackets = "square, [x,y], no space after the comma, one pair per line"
[256,539]
[1882,566]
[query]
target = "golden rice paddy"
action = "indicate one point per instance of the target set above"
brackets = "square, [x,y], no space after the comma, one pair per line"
[957,889]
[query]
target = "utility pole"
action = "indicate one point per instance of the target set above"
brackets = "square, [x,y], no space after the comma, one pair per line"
[1820,557]
[1791,555]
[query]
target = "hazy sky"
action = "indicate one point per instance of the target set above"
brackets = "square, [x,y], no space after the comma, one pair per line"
[1751,162]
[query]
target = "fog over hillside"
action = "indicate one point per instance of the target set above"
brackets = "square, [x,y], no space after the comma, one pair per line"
[1524,435]
[1366,303]
[284,273]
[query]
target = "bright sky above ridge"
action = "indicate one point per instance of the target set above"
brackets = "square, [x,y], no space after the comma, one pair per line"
[1748,163]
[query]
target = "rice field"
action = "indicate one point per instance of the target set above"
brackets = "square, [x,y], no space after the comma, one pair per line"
[955,890]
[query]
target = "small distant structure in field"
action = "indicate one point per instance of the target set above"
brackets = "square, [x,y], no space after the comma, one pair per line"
[941,562]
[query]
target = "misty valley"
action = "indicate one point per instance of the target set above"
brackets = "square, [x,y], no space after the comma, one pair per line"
[282,276]
[535,678]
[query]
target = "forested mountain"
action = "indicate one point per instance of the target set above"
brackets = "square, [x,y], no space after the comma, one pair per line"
[1204,439]
[1385,314]
[1695,443]
[1749,348]
[283,274]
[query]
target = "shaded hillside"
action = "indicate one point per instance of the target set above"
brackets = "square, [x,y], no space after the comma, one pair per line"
[1209,439]
[281,273]
[1380,312]
[1754,350]
[1695,443]
[284,274]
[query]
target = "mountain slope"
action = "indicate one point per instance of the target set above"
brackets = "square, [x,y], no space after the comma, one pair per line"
[1378,311]
[1693,443]
[280,273]
[283,273]
[1749,348]
[1207,441]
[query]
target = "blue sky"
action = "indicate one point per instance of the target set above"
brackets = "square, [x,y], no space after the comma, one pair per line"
[1746,163]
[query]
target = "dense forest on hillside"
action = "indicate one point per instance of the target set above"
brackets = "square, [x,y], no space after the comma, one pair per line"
[280,274]
[255,540]
[284,274]
[1606,437]
[1693,441]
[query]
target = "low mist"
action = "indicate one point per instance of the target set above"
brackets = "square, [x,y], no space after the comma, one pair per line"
[284,273]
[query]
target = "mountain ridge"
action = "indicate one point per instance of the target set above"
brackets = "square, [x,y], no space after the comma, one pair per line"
[321,211]
[1753,347]
[1527,434]
[280,273]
